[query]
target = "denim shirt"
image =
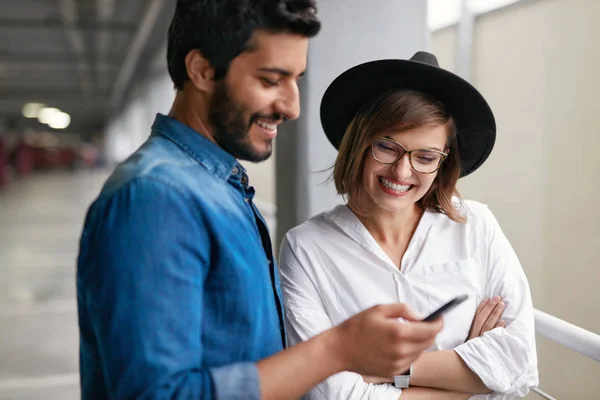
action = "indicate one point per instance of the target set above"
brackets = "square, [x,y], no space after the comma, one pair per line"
[178,293]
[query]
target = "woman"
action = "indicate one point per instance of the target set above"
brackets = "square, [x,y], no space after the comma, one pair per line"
[406,131]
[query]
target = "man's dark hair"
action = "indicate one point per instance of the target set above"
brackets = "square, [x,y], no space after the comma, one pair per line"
[221,29]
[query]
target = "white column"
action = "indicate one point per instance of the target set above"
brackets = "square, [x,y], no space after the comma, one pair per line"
[464,41]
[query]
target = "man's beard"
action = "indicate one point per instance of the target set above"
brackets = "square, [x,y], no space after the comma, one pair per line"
[230,130]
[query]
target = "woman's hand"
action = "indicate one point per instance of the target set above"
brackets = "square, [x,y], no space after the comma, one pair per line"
[487,317]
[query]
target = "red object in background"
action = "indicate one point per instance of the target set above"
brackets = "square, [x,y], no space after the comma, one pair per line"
[69,157]
[88,155]
[50,158]
[24,158]
[4,177]
[44,158]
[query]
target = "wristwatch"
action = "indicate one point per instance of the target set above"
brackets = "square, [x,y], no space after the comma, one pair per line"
[402,381]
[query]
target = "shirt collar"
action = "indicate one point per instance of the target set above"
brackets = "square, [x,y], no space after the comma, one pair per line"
[348,222]
[208,154]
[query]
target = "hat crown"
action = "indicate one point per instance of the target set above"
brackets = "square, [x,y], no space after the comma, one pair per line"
[426,58]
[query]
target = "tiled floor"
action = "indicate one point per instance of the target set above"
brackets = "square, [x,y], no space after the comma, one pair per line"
[40,222]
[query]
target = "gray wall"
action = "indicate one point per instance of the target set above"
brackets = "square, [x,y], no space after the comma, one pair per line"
[151,93]
[354,31]
[537,63]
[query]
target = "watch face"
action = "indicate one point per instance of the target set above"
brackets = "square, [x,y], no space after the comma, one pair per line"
[401,382]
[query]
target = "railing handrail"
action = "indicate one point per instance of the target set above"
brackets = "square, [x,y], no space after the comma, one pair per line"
[568,335]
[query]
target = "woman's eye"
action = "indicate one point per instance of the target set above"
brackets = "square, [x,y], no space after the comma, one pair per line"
[426,157]
[385,148]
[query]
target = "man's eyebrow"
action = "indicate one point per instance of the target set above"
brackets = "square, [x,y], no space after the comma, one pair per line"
[280,71]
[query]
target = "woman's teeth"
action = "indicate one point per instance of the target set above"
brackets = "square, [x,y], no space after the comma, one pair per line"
[394,186]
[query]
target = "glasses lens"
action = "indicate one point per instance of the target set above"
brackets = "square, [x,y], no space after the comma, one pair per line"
[386,151]
[425,160]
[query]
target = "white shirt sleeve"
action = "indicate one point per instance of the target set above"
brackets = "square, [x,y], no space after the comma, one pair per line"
[505,359]
[305,317]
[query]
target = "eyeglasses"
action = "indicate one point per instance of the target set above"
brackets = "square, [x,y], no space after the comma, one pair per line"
[388,151]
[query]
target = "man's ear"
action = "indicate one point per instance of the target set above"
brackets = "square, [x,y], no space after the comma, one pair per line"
[199,70]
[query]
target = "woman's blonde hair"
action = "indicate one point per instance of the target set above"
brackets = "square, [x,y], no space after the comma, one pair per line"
[398,111]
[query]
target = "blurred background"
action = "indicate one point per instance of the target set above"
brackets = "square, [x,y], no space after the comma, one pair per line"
[81,82]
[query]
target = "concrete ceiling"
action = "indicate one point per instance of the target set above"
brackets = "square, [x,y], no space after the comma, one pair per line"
[80,56]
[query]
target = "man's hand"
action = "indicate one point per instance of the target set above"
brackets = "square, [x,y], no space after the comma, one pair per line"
[422,393]
[374,343]
[487,317]
[375,380]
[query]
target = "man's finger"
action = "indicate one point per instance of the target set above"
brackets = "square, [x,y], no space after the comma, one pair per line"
[420,332]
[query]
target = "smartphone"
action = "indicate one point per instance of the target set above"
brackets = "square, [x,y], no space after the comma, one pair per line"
[445,308]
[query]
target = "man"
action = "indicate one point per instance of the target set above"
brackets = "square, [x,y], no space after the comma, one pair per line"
[178,291]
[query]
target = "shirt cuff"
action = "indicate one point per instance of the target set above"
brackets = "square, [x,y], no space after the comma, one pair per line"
[484,364]
[236,382]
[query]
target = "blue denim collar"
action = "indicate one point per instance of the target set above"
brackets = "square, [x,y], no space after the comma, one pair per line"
[208,154]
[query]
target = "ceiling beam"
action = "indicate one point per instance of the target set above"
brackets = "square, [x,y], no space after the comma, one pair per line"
[134,53]
[68,16]
[49,95]
[57,23]
[105,10]
[48,57]
[53,66]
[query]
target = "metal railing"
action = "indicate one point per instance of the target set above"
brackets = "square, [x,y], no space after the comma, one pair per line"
[568,335]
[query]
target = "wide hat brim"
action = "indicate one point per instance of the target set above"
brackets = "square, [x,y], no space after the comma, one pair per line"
[366,82]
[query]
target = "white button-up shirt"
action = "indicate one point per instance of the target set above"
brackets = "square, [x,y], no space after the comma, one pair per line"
[332,268]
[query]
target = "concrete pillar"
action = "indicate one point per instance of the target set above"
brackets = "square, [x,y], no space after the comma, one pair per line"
[354,31]
[464,41]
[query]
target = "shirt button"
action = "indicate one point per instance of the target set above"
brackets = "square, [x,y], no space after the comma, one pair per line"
[244,180]
[235,170]
[247,200]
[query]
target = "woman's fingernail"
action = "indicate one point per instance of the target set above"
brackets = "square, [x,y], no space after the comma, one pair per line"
[497,298]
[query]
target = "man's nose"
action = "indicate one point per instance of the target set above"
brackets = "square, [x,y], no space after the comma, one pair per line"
[289,103]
